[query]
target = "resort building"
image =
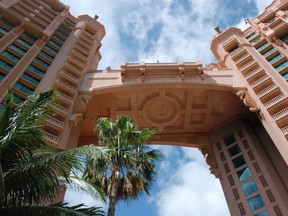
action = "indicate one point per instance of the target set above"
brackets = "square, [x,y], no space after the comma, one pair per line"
[234,111]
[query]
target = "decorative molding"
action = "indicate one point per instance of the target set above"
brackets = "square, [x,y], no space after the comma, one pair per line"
[79,109]
[211,161]
[247,100]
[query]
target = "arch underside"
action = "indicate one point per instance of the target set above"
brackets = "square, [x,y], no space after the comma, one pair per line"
[182,115]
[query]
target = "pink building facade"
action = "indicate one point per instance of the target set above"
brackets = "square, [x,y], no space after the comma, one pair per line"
[234,111]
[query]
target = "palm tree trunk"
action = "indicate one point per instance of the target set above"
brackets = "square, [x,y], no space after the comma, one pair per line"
[115,181]
[112,206]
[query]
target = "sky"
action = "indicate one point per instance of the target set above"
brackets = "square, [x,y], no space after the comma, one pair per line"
[167,31]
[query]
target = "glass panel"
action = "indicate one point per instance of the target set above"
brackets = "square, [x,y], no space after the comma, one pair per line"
[275,58]
[30,78]
[234,150]
[256,202]
[249,187]
[238,161]
[58,39]
[39,61]
[29,36]
[51,50]
[47,55]
[36,70]
[6,66]
[18,49]
[285,76]
[253,35]
[54,43]
[11,56]
[22,87]
[281,66]
[264,213]
[2,30]
[23,42]
[6,23]
[268,52]
[263,46]
[229,140]
[2,76]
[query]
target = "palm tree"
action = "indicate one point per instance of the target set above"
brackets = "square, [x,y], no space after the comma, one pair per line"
[29,169]
[124,166]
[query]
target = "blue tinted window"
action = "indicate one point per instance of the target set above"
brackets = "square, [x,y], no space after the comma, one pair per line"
[264,213]
[256,202]
[249,187]
[238,161]
[234,150]
[244,174]
[229,140]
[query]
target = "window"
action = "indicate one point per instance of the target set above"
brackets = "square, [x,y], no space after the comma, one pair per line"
[275,58]
[229,140]
[281,66]
[234,150]
[30,78]
[249,187]
[244,174]
[251,36]
[17,49]
[263,46]
[23,42]
[39,61]
[11,56]
[268,52]
[22,87]
[36,70]
[238,161]
[233,48]
[263,213]
[256,202]
[6,66]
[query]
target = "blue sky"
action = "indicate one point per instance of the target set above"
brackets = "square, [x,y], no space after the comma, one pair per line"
[167,31]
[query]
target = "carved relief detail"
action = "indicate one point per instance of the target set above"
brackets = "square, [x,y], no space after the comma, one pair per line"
[211,161]
[79,109]
[247,100]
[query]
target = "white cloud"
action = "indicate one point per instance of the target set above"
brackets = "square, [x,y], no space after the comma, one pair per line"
[191,190]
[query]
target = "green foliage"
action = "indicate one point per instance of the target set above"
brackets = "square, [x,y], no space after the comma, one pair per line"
[123,166]
[30,169]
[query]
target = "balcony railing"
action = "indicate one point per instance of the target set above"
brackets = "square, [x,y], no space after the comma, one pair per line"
[280,114]
[252,73]
[267,90]
[49,137]
[259,81]
[70,87]
[275,101]
[64,97]
[55,121]
[60,108]
[70,77]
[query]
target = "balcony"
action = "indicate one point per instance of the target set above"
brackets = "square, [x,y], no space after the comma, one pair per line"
[79,56]
[86,38]
[253,73]
[55,122]
[70,77]
[76,62]
[281,114]
[66,86]
[285,131]
[49,137]
[73,69]
[267,90]
[63,97]
[260,81]
[60,109]
[243,60]
[248,66]
[275,101]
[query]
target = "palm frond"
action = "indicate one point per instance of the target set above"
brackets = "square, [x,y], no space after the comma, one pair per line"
[52,210]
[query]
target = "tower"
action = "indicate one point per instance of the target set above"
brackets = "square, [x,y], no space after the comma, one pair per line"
[259,171]
[44,46]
